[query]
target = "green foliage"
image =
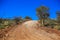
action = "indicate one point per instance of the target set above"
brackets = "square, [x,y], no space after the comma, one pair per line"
[57,27]
[42,11]
[1,20]
[58,17]
[2,27]
[27,17]
[18,20]
[43,14]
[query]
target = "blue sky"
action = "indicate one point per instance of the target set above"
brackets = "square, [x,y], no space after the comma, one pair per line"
[11,8]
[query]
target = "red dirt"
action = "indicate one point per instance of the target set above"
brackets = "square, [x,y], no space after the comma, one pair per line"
[30,31]
[50,30]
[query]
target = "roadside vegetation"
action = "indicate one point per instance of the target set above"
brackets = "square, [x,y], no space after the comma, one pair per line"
[10,22]
[42,13]
[45,20]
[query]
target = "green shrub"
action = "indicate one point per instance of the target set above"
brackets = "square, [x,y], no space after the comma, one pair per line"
[57,27]
[2,27]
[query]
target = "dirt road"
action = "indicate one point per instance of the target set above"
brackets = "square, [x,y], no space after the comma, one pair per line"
[30,31]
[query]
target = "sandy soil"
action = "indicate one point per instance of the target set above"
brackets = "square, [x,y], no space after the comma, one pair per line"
[30,31]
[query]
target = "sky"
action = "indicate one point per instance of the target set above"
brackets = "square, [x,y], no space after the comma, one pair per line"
[12,8]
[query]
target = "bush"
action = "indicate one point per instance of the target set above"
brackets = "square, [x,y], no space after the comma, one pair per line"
[57,27]
[2,27]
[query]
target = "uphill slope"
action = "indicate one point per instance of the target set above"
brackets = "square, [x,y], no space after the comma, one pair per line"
[30,31]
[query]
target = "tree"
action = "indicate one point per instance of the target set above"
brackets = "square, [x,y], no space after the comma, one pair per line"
[18,19]
[58,21]
[58,17]
[27,18]
[42,13]
[46,17]
[1,20]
